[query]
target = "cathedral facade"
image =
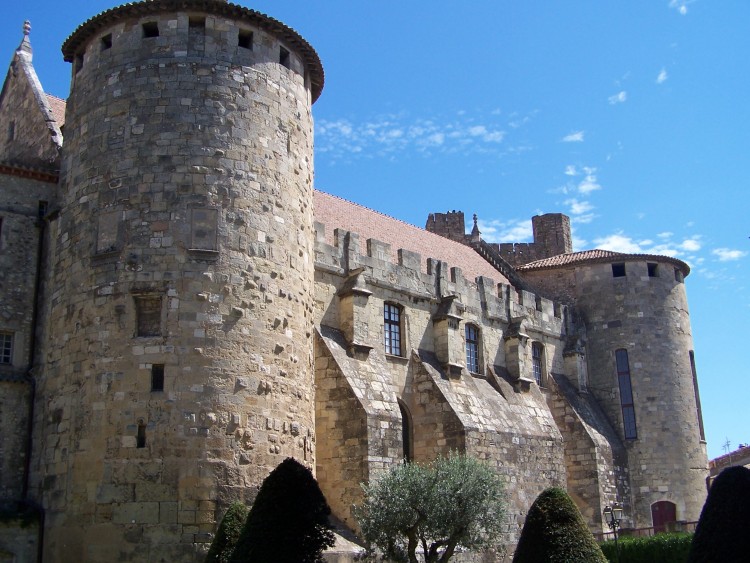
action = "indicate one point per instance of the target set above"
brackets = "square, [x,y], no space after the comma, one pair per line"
[180,311]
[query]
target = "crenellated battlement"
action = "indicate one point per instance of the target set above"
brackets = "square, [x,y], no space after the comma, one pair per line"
[496,302]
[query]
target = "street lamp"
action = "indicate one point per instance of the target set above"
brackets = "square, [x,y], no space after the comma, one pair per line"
[613,517]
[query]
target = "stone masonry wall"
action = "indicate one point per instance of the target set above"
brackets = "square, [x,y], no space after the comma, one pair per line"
[551,238]
[20,229]
[592,448]
[647,316]
[183,246]
[14,420]
[358,422]
[487,415]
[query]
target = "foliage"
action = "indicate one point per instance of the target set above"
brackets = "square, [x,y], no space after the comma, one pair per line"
[555,532]
[453,502]
[722,530]
[288,522]
[661,548]
[227,534]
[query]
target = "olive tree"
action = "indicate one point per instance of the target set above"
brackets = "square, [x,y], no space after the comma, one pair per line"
[453,502]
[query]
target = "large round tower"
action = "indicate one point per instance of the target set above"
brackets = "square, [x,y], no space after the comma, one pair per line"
[641,369]
[178,354]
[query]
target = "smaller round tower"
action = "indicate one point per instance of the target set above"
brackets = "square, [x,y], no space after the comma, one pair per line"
[641,370]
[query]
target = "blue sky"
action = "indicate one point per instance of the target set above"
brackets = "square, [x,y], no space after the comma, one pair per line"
[631,117]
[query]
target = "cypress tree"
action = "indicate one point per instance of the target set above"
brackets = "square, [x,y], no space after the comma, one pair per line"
[554,532]
[288,522]
[227,534]
[722,530]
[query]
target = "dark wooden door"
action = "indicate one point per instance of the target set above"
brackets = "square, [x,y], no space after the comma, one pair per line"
[661,513]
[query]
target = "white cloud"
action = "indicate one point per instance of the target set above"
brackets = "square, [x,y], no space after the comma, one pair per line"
[394,135]
[570,170]
[662,77]
[578,207]
[579,243]
[576,137]
[680,5]
[515,230]
[589,183]
[728,254]
[618,243]
[691,245]
[618,98]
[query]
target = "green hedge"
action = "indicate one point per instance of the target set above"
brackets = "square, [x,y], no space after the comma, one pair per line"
[661,548]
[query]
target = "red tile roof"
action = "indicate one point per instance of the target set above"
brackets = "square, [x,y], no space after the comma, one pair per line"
[57,105]
[598,256]
[337,213]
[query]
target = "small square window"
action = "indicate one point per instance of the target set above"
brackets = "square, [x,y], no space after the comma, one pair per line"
[150,29]
[197,22]
[245,39]
[107,42]
[78,62]
[284,57]
[652,270]
[618,270]
[157,377]
[678,277]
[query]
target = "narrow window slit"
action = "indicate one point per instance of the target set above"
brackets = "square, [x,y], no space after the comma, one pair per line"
[140,439]
[157,377]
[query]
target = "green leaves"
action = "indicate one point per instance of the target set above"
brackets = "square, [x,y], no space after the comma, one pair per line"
[454,501]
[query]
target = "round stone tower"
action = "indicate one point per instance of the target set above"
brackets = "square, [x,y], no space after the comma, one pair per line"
[641,369]
[178,355]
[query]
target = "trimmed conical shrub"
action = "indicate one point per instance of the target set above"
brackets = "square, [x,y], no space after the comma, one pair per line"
[288,522]
[227,534]
[555,532]
[722,530]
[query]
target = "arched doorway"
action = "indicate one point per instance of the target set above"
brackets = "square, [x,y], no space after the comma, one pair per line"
[662,513]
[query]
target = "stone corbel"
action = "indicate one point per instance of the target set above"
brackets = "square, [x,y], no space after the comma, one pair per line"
[448,344]
[576,367]
[516,339]
[353,315]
